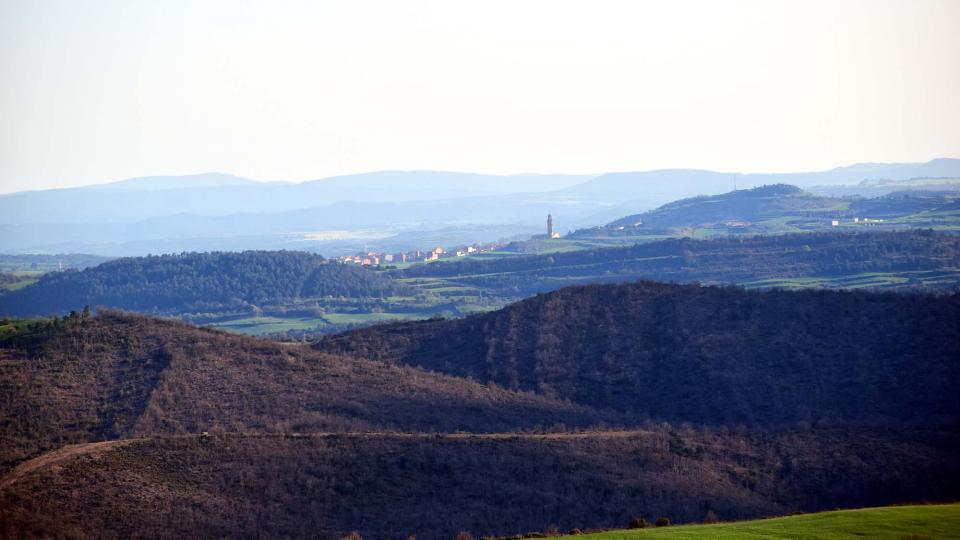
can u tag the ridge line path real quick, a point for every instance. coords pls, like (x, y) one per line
(56, 456)
(73, 450)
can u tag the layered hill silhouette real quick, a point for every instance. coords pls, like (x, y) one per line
(219, 286)
(739, 403)
(218, 194)
(702, 354)
(198, 283)
(117, 375)
(394, 210)
(671, 184)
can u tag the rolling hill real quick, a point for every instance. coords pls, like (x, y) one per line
(784, 208)
(115, 375)
(119, 425)
(433, 485)
(768, 209)
(747, 206)
(714, 355)
(300, 293)
(911, 260)
(204, 283)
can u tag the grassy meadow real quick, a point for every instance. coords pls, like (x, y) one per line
(894, 523)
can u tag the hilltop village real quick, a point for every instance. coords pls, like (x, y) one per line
(374, 258)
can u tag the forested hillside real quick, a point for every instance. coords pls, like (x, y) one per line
(191, 283)
(715, 355)
(812, 400)
(304, 294)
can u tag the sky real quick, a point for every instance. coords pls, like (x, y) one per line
(96, 91)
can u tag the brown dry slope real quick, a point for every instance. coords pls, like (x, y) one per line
(394, 485)
(118, 376)
(57, 456)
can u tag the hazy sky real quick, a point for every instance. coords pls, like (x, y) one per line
(93, 91)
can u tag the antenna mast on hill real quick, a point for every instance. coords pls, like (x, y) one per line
(734, 181)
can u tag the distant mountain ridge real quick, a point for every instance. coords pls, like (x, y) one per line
(214, 211)
(156, 183)
(216, 194)
(213, 194)
(670, 184)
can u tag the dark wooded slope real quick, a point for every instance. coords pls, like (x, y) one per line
(703, 354)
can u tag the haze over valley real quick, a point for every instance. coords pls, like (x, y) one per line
(383, 211)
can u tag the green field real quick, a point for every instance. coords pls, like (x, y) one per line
(877, 280)
(362, 318)
(21, 278)
(894, 523)
(257, 326)
(17, 285)
(267, 325)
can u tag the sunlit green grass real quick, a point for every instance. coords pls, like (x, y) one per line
(862, 280)
(268, 325)
(893, 523)
(451, 288)
(21, 283)
(353, 318)
(17, 326)
(23, 279)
